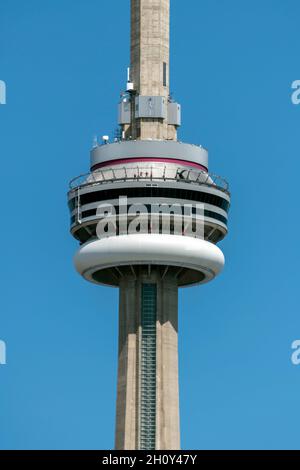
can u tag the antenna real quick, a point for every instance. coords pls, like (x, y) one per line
(129, 86)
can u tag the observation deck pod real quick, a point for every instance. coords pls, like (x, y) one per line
(136, 212)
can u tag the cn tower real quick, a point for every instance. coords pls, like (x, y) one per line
(148, 218)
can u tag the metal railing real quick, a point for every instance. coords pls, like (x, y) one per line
(151, 174)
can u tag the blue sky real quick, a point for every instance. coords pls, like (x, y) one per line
(64, 63)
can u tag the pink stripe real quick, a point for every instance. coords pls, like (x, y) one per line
(150, 159)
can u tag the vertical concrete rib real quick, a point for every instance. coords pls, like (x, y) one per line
(128, 357)
(168, 435)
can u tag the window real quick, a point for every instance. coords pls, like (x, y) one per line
(145, 192)
(164, 74)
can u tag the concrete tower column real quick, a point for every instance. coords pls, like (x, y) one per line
(148, 398)
(150, 38)
(150, 58)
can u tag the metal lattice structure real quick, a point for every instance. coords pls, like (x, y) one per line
(148, 367)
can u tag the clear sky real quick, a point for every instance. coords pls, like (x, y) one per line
(64, 63)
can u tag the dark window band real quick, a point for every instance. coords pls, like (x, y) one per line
(213, 215)
(145, 192)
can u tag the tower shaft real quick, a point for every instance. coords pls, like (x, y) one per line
(150, 50)
(148, 397)
(150, 57)
(148, 218)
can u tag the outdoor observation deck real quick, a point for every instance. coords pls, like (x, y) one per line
(148, 184)
(149, 173)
